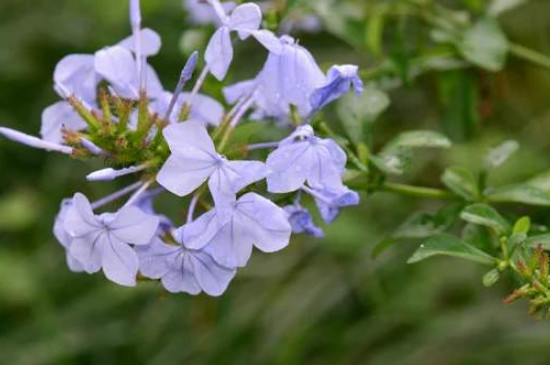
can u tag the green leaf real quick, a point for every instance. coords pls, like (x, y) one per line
(542, 239)
(491, 278)
(394, 162)
(500, 154)
(421, 225)
(522, 226)
(479, 236)
(523, 193)
(485, 215)
(358, 112)
(485, 45)
(461, 181)
(374, 32)
(541, 182)
(498, 7)
(446, 245)
(419, 139)
(397, 155)
(459, 100)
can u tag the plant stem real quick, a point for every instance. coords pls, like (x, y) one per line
(530, 55)
(416, 191)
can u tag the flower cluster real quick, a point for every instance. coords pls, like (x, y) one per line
(115, 108)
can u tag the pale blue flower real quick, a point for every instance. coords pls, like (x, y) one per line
(330, 200)
(194, 161)
(64, 237)
(245, 20)
(76, 73)
(103, 242)
(58, 117)
(288, 78)
(340, 80)
(181, 269)
(301, 221)
(204, 109)
(253, 221)
(200, 12)
(302, 158)
(118, 66)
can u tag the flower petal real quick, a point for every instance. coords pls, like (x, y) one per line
(245, 19)
(219, 53)
(150, 42)
(119, 261)
(212, 278)
(57, 117)
(132, 226)
(266, 222)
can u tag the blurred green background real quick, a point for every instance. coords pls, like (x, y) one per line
(319, 301)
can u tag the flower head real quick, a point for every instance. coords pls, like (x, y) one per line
(194, 161)
(302, 158)
(340, 79)
(181, 269)
(245, 19)
(103, 242)
(253, 221)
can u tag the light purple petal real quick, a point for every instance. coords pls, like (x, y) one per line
(117, 65)
(150, 43)
(290, 166)
(203, 13)
(245, 19)
(133, 226)
(154, 259)
(88, 251)
(119, 261)
(266, 221)
(193, 158)
(219, 53)
(180, 278)
(212, 278)
(58, 116)
(76, 73)
(80, 220)
(239, 90)
(268, 40)
(301, 221)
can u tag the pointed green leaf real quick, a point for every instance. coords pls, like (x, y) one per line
(523, 193)
(522, 226)
(461, 181)
(485, 45)
(485, 215)
(446, 245)
(491, 278)
(542, 239)
(358, 112)
(498, 7)
(419, 139)
(500, 154)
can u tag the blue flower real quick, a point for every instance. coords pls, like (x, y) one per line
(201, 12)
(58, 117)
(245, 20)
(103, 242)
(340, 80)
(288, 78)
(204, 109)
(330, 200)
(253, 221)
(301, 221)
(181, 269)
(64, 237)
(194, 161)
(302, 158)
